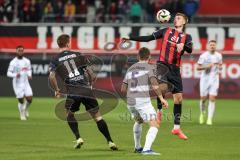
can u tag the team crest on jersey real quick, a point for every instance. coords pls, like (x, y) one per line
(174, 39)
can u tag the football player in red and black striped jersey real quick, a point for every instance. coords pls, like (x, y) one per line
(174, 44)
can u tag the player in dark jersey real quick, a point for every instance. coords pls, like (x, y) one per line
(73, 70)
(174, 43)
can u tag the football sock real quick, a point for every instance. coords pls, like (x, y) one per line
(150, 137)
(211, 109)
(26, 105)
(73, 124)
(20, 107)
(202, 106)
(177, 111)
(137, 131)
(103, 128)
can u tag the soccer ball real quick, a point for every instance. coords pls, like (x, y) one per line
(163, 16)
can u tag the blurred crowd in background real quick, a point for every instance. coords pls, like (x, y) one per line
(117, 11)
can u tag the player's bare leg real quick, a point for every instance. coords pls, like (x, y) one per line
(21, 109)
(177, 111)
(164, 88)
(211, 109)
(27, 104)
(103, 128)
(73, 124)
(202, 106)
(150, 137)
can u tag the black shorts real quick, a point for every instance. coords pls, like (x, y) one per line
(170, 74)
(73, 103)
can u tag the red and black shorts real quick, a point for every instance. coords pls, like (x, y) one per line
(171, 75)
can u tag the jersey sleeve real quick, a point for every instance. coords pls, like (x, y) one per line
(53, 65)
(10, 71)
(201, 60)
(159, 33)
(188, 46)
(152, 72)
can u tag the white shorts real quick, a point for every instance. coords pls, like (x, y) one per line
(209, 87)
(22, 90)
(145, 111)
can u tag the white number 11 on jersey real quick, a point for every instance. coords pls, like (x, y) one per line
(75, 71)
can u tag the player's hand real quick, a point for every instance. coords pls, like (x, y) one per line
(209, 66)
(29, 78)
(57, 94)
(125, 39)
(18, 75)
(164, 103)
(180, 47)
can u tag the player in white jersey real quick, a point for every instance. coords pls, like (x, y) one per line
(136, 84)
(210, 63)
(20, 71)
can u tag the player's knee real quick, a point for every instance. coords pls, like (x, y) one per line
(212, 98)
(29, 100)
(20, 100)
(203, 99)
(139, 120)
(98, 118)
(154, 123)
(178, 100)
(70, 115)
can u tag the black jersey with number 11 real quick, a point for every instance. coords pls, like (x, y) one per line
(71, 68)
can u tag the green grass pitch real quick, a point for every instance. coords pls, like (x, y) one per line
(44, 137)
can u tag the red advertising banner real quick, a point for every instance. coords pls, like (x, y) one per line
(94, 38)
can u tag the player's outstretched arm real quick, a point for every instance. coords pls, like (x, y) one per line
(157, 90)
(140, 38)
(156, 35)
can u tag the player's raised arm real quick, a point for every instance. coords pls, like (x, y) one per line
(155, 35)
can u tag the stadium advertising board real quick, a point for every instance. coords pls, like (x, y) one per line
(110, 78)
(95, 37)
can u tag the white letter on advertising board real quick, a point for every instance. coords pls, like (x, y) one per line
(85, 38)
(124, 32)
(42, 34)
(105, 34)
(187, 70)
(217, 34)
(235, 33)
(193, 31)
